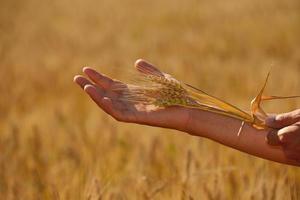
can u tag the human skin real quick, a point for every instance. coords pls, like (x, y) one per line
(220, 128)
(288, 131)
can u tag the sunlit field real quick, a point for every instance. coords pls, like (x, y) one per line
(55, 143)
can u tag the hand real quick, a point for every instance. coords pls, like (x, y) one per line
(100, 88)
(288, 133)
(196, 122)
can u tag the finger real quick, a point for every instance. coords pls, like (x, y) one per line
(290, 133)
(97, 95)
(147, 68)
(81, 81)
(98, 78)
(282, 120)
(103, 102)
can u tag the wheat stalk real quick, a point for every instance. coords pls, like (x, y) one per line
(163, 90)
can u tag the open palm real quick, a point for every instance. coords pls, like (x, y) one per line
(101, 89)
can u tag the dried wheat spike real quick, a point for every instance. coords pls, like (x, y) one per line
(162, 90)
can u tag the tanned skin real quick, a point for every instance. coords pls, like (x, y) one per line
(220, 128)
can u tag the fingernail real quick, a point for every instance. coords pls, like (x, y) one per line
(282, 131)
(138, 62)
(87, 86)
(281, 135)
(85, 68)
(75, 78)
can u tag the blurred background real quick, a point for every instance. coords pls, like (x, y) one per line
(56, 144)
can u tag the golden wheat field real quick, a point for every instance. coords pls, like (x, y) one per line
(56, 144)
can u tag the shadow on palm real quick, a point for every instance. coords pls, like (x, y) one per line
(108, 94)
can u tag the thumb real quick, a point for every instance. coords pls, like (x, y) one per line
(289, 134)
(284, 119)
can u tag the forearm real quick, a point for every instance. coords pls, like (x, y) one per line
(225, 130)
(196, 122)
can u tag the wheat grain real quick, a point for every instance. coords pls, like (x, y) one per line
(162, 90)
